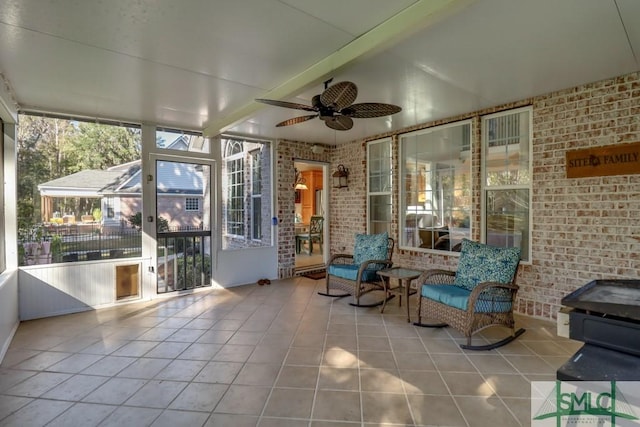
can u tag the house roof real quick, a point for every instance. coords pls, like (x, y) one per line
(172, 178)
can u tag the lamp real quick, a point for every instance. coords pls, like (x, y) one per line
(300, 183)
(340, 177)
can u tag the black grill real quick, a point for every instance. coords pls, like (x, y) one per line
(606, 317)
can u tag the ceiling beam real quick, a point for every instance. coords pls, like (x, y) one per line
(420, 15)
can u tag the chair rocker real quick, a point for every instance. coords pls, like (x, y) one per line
(480, 294)
(356, 274)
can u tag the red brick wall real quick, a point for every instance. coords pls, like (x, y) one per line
(583, 228)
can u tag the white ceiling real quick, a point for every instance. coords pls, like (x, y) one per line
(199, 64)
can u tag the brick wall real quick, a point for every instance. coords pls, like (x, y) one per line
(583, 228)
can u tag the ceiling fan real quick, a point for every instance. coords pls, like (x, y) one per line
(335, 107)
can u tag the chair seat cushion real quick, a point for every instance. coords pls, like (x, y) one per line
(481, 263)
(492, 301)
(370, 247)
(350, 272)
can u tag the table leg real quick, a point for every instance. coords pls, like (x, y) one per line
(385, 286)
(407, 285)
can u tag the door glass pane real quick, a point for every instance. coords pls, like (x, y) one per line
(183, 229)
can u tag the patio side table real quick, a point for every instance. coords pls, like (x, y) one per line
(404, 276)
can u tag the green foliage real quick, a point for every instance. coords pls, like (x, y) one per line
(97, 214)
(56, 248)
(135, 220)
(197, 273)
(50, 148)
(163, 225)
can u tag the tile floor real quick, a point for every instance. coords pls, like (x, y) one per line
(277, 355)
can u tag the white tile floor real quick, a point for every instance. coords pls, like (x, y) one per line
(277, 355)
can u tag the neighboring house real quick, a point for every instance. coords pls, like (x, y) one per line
(180, 189)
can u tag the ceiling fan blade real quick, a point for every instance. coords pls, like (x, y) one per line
(296, 120)
(339, 123)
(286, 104)
(367, 110)
(339, 96)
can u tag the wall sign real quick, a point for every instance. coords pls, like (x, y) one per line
(623, 159)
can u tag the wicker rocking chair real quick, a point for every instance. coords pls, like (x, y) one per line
(480, 294)
(356, 274)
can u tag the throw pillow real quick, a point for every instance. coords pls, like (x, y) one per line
(370, 247)
(483, 263)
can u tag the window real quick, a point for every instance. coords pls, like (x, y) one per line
(379, 168)
(256, 194)
(435, 191)
(192, 204)
(235, 188)
(109, 207)
(64, 205)
(246, 190)
(180, 140)
(506, 153)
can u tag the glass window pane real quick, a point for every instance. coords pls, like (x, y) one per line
(507, 219)
(507, 149)
(380, 214)
(171, 139)
(435, 195)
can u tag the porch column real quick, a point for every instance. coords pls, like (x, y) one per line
(46, 208)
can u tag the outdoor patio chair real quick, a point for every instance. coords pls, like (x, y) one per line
(480, 294)
(314, 234)
(357, 274)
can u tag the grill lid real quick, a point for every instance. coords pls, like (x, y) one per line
(620, 298)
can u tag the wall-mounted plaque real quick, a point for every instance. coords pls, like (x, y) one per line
(623, 159)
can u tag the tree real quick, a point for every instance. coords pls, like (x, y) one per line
(41, 143)
(97, 146)
(50, 148)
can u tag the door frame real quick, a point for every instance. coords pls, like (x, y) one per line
(324, 166)
(151, 229)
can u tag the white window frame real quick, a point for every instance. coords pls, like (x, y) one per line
(485, 188)
(256, 192)
(235, 158)
(387, 191)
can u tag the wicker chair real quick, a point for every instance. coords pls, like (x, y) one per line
(313, 235)
(480, 294)
(345, 276)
